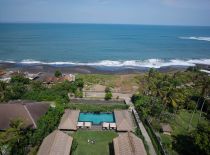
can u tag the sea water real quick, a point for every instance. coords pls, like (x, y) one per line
(104, 45)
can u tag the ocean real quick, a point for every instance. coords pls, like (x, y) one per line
(126, 46)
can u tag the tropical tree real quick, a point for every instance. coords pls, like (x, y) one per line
(201, 138)
(3, 87)
(11, 141)
(58, 73)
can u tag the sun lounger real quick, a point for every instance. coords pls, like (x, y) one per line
(112, 125)
(80, 124)
(105, 125)
(88, 124)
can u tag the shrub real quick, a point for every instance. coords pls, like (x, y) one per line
(74, 145)
(108, 96)
(58, 73)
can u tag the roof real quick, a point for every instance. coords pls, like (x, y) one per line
(29, 113)
(123, 120)
(69, 120)
(128, 144)
(56, 143)
(166, 127)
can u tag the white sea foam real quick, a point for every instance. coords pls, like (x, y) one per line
(149, 63)
(197, 38)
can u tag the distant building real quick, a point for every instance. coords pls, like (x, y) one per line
(31, 76)
(28, 112)
(69, 77)
(128, 144)
(2, 72)
(166, 129)
(53, 79)
(56, 143)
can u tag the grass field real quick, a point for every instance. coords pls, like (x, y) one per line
(181, 122)
(124, 82)
(180, 127)
(102, 141)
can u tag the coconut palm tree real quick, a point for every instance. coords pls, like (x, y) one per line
(2, 91)
(202, 81)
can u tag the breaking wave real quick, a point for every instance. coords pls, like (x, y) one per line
(197, 38)
(149, 63)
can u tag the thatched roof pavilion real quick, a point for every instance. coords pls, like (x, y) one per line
(56, 143)
(69, 120)
(128, 144)
(166, 128)
(28, 112)
(123, 120)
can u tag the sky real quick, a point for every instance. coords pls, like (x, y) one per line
(151, 12)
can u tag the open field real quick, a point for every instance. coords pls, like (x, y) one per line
(180, 127)
(103, 141)
(120, 83)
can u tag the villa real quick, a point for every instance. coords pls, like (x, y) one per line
(73, 122)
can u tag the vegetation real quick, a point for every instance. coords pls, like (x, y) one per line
(12, 139)
(46, 125)
(20, 140)
(58, 73)
(102, 142)
(108, 93)
(97, 107)
(17, 138)
(179, 99)
(22, 88)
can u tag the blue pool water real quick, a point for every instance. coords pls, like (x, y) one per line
(96, 118)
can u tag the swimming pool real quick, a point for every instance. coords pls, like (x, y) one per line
(96, 118)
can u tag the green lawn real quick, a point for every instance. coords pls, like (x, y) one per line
(181, 122)
(180, 127)
(101, 146)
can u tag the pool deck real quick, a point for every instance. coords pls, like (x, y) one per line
(96, 128)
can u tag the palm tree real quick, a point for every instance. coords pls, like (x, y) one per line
(10, 139)
(2, 90)
(203, 81)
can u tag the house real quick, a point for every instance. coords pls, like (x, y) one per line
(53, 79)
(123, 120)
(69, 120)
(69, 77)
(31, 76)
(2, 73)
(28, 112)
(128, 144)
(166, 129)
(56, 143)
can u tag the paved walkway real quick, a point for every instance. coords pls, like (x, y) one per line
(141, 127)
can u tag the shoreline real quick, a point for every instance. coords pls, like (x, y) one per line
(82, 69)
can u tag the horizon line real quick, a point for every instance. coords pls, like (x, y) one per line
(134, 24)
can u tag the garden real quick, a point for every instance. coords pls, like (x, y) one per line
(94, 142)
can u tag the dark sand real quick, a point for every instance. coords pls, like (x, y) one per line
(35, 68)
